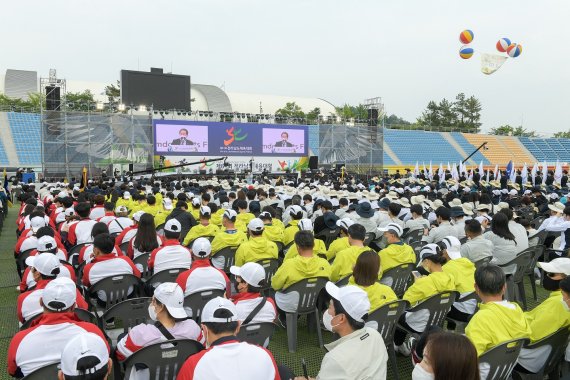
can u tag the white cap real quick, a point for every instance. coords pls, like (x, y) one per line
(74, 356)
(196, 202)
(230, 214)
(121, 209)
(452, 246)
(305, 225)
(46, 263)
(170, 294)
(37, 222)
(126, 195)
(46, 243)
(62, 290)
(252, 273)
(353, 299)
(295, 210)
(219, 310)
(265, 215)
(428, 250)
(345, 223)
(137, 215)
(69, 211)
(513, 192)
(167, 203)
(173, 225)
(559, 265)
(201, 247)
(256, 224)
(205, 210)
(394, 228)
(558, 207)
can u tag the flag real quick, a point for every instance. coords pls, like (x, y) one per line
(544, 172)
(496, 172)
(454, 173)
(498, 177)
(513, 175)
(558, 173)
(6, 189)
(430, 172)
(524, 174)
(441, 174)
(481, 170)
(533, 173)
(425, 170)
(491, 62)
(416, 170)
(488, 175)
(83, 179)
(471, 175)
(509, 168)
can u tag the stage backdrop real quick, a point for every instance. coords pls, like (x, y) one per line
(273, 147)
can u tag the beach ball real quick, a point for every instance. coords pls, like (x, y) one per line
(503, 44)
(514, 50)
(466, 52)
(466, 36)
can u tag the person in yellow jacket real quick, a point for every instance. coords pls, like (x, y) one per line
(257, 247)
(271, 231)
(551, 315)
(138, 203)
(167, 208)
(345, 259)
(365, 276)
(151, 207)
(204, 229)
(497, 321)
(463, 270)
(305, 265)
(244, 217)
(424, 287)
(319, 249)
(396, 252)
(125, 200)
(229, 237)
(195, 208)
(217, 214)
(296, 213)
(341, 242)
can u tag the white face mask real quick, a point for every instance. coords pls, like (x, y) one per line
(566, 307)
(327, 321)
(152, 312)
(419, 373)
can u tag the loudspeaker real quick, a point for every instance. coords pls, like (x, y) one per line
(372, 117)
(53, 98)
(313, 162)
(131, 167)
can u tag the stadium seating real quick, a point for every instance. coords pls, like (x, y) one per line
(422, 146)
(3, 156)
(388, 161)
(469, 148)
(547, 149)
(501, 149)
(26, 132)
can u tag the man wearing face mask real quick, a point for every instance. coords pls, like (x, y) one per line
(551, 315)
(225, 353)
(360, 352)
(170, 322)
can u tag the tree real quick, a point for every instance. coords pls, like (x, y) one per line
(507, 130)
(447, 114)
(460, 109)
(291, 109)
(347, 112)
(313, 116)
(79, 101)
(18, 104)
(431, 116)
(562, 135)
(472, 114)
(396, 120)
(113, 92)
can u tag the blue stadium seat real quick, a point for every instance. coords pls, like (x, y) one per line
(420, 146)
(549, 149)
(26, 132)
(3, 157)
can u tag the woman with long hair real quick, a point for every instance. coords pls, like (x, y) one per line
(447, 356)
(146, 239)
(504, 244)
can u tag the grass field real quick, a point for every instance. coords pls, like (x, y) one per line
(307, 346)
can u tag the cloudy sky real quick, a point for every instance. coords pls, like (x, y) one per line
(405, 51)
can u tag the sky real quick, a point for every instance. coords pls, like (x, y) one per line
(405, 51)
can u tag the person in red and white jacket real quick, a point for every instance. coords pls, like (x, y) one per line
(105, 263)
(45, 268)
(167, 310)
(225, 352)
(250, 279)
(125, 227)
(46, 244)
(80, 232)
(86, 252)
(98, 210)
(43, 342)
(202, 275)
(172, 254)
(109, 213)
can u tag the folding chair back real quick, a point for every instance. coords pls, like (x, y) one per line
(398, 278)
(308, 290)
(167, 275)
(131, 312)
(229, 256)
(116, 288)
(328, 236)
(48, 372)
(257, 333)
(198, 300)
(502, 359)
(438, 306)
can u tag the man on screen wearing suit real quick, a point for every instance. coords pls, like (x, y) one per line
(183, 140)
(283, 143)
